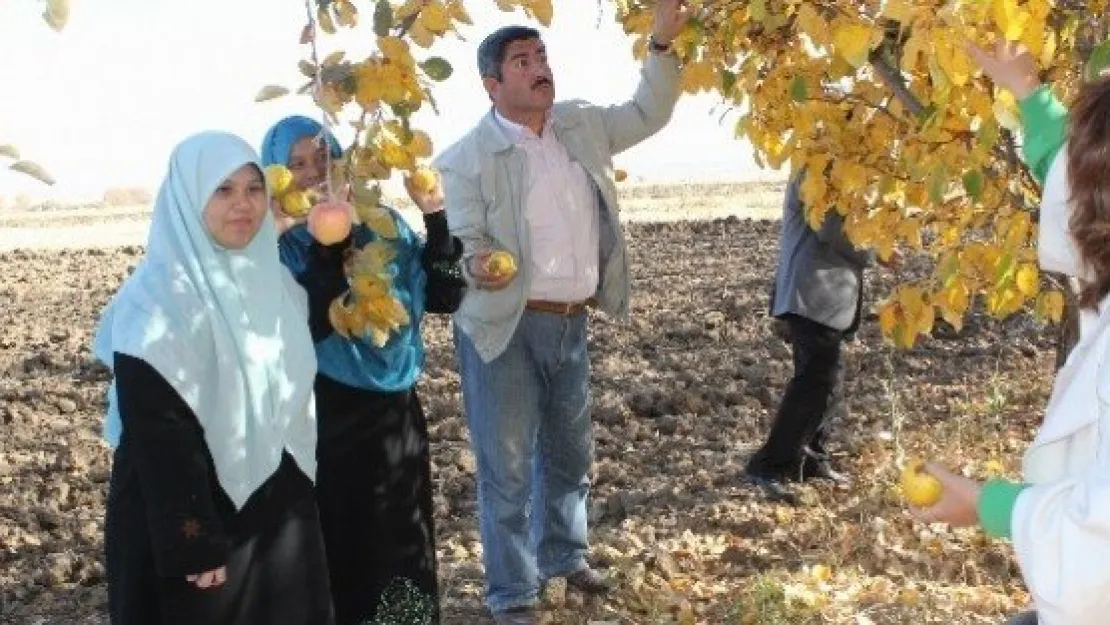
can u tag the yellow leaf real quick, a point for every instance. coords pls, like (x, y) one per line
(620, 175)
(811, 23)
(379, 220)
(9, 151)
(1050, 306)
(888, 317)
(542, 10)
(899, 11)
(434, 17)
(1028, 280)
(1006, 111)
(421, 36)
(457, 11)
(421, 145)
(852, 41)
(1010, 19)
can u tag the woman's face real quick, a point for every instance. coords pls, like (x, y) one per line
(308, 160)
(235, 211)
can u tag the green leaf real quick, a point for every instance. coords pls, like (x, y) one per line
(1005, 268)
(33, 170)
(973, 184)
(1098, 62)
(270, 92)
(927, 115)
(948, 268)
(799, 90)
(383, 18)
(9, 151)
(988, 134)
(728, 81)
(757, 10)
(437, 68)
(938, 184)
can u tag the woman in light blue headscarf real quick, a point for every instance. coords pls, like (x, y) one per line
(375, 485)
(211, 515)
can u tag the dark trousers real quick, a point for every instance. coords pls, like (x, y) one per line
(374, 489)
(814, 393)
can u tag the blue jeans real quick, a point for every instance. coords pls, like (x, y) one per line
(529, 418)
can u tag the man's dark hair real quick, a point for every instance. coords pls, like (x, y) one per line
(491, 53)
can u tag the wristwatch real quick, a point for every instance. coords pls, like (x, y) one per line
(657, 47)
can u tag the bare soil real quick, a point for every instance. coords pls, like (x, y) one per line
(681, 394)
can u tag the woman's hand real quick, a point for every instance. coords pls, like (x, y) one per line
(1010, 66)
(208, 579)
(430, 201)
(959, 502)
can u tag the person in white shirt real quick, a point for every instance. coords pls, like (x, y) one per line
(534, 179)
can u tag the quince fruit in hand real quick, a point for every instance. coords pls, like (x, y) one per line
(424, 179)
(919, 487)
(501, 264)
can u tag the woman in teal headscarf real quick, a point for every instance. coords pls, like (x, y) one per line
(211, 516)
(374, 487)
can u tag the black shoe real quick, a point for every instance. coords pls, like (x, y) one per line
(816, 469)
(589, 581)
(773, 488)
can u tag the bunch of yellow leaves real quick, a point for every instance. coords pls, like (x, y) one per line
(369, 309)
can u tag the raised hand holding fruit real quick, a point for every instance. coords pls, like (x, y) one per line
(424, 190)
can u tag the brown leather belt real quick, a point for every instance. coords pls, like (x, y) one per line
(566, 309)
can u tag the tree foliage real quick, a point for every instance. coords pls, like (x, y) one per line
(879, 101)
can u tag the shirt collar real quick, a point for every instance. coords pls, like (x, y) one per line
(519, 133)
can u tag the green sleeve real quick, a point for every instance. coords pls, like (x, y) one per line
(996, 506)
(1044, 122)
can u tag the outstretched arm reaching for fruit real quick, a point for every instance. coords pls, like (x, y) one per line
(445, 287)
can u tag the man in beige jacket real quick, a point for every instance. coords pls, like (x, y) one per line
(534, 178)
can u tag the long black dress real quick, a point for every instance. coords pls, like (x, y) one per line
(168, 518)
(374, 482)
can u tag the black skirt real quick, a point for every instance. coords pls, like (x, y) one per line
(374, 491)
(274, 570)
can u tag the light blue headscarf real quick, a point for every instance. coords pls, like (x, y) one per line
(227, 329)
(277, 145)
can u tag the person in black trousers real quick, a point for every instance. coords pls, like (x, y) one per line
(818, 295)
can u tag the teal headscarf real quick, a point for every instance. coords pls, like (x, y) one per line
(355, 362)
(227, 329)
(277, 145)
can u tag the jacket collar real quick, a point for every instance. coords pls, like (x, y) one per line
(493, 137)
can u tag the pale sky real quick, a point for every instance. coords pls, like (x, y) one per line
(102, 103)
